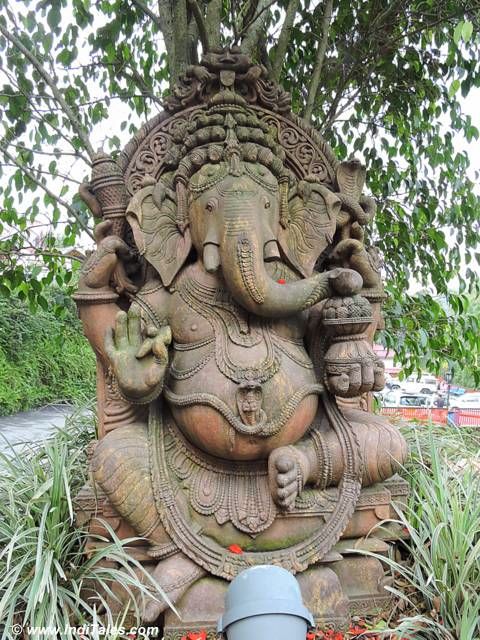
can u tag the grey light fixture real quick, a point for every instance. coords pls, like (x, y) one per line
(265, 602)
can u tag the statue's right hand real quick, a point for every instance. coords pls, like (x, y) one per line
(139, 364)
(104, 267)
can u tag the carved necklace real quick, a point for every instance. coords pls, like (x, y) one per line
(230, 325)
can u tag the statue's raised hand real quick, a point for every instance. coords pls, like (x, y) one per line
(104, 269)
(139, 363)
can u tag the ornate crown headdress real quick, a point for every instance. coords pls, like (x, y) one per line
(228, 131)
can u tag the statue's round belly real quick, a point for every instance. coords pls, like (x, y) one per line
(243, 420)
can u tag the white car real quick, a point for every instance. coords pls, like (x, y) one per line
(467, 401)
(391, 382)
(425, 384)
(403, 399)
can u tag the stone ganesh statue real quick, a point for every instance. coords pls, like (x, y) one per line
(230, 301)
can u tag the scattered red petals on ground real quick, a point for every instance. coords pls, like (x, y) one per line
(330, 634)
(234, 548)
(195, 635)
(357, 631)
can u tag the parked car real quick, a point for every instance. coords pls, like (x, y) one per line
(457, 391)
(400, 398)
(391, 382)
(425, 384)
(467, 401)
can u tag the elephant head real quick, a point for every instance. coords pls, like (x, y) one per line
(233, 220)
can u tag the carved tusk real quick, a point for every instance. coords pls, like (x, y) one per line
(211, 257)
(270, 251)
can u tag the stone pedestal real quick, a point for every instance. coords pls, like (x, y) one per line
(346, 584)
(203, 604)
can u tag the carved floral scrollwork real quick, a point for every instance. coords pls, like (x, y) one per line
(154, 151)
(303, 156)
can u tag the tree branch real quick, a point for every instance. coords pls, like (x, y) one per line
(165, 22)
(214, 22)
(50, 193)
(180, 34)
(148, 12)
(334, 112)
(47, 173)
(317, 71)
(139, 82)
(37, 251)
(41, 119)
(251, 32)
(51, 81)
(264, 6)
(283, 39)
(202, 29)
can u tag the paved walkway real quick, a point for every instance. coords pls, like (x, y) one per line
(32, 426)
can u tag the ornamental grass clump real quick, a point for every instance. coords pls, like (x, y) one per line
(46, 578)
(438, 582)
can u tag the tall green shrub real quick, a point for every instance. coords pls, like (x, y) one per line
(43, 357)
(439, 576)
(47, 580)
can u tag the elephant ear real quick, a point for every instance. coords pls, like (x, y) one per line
(310, 227)
(152, 216)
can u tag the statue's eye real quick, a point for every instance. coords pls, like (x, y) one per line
(211, 205)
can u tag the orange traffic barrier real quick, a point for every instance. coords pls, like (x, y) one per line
(459, 417)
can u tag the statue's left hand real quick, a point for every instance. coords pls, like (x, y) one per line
(352, 368)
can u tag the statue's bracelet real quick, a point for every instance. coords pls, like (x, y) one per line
(93, 296)
(153, 395)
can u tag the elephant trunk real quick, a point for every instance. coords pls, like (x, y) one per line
(242, 258)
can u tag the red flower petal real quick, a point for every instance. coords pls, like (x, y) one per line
(281, 281)
(200, 635)
(234, 548)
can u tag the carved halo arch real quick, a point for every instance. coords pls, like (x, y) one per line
(307, 153)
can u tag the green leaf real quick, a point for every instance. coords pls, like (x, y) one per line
(467, 31)
(454, 87)
(54, 17)
(457, 34)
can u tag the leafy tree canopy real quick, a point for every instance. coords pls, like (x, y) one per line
(383, 80)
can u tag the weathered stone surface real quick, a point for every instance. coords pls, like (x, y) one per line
(231, 300)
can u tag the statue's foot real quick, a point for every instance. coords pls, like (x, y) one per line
(174, 576)
(287, 471)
